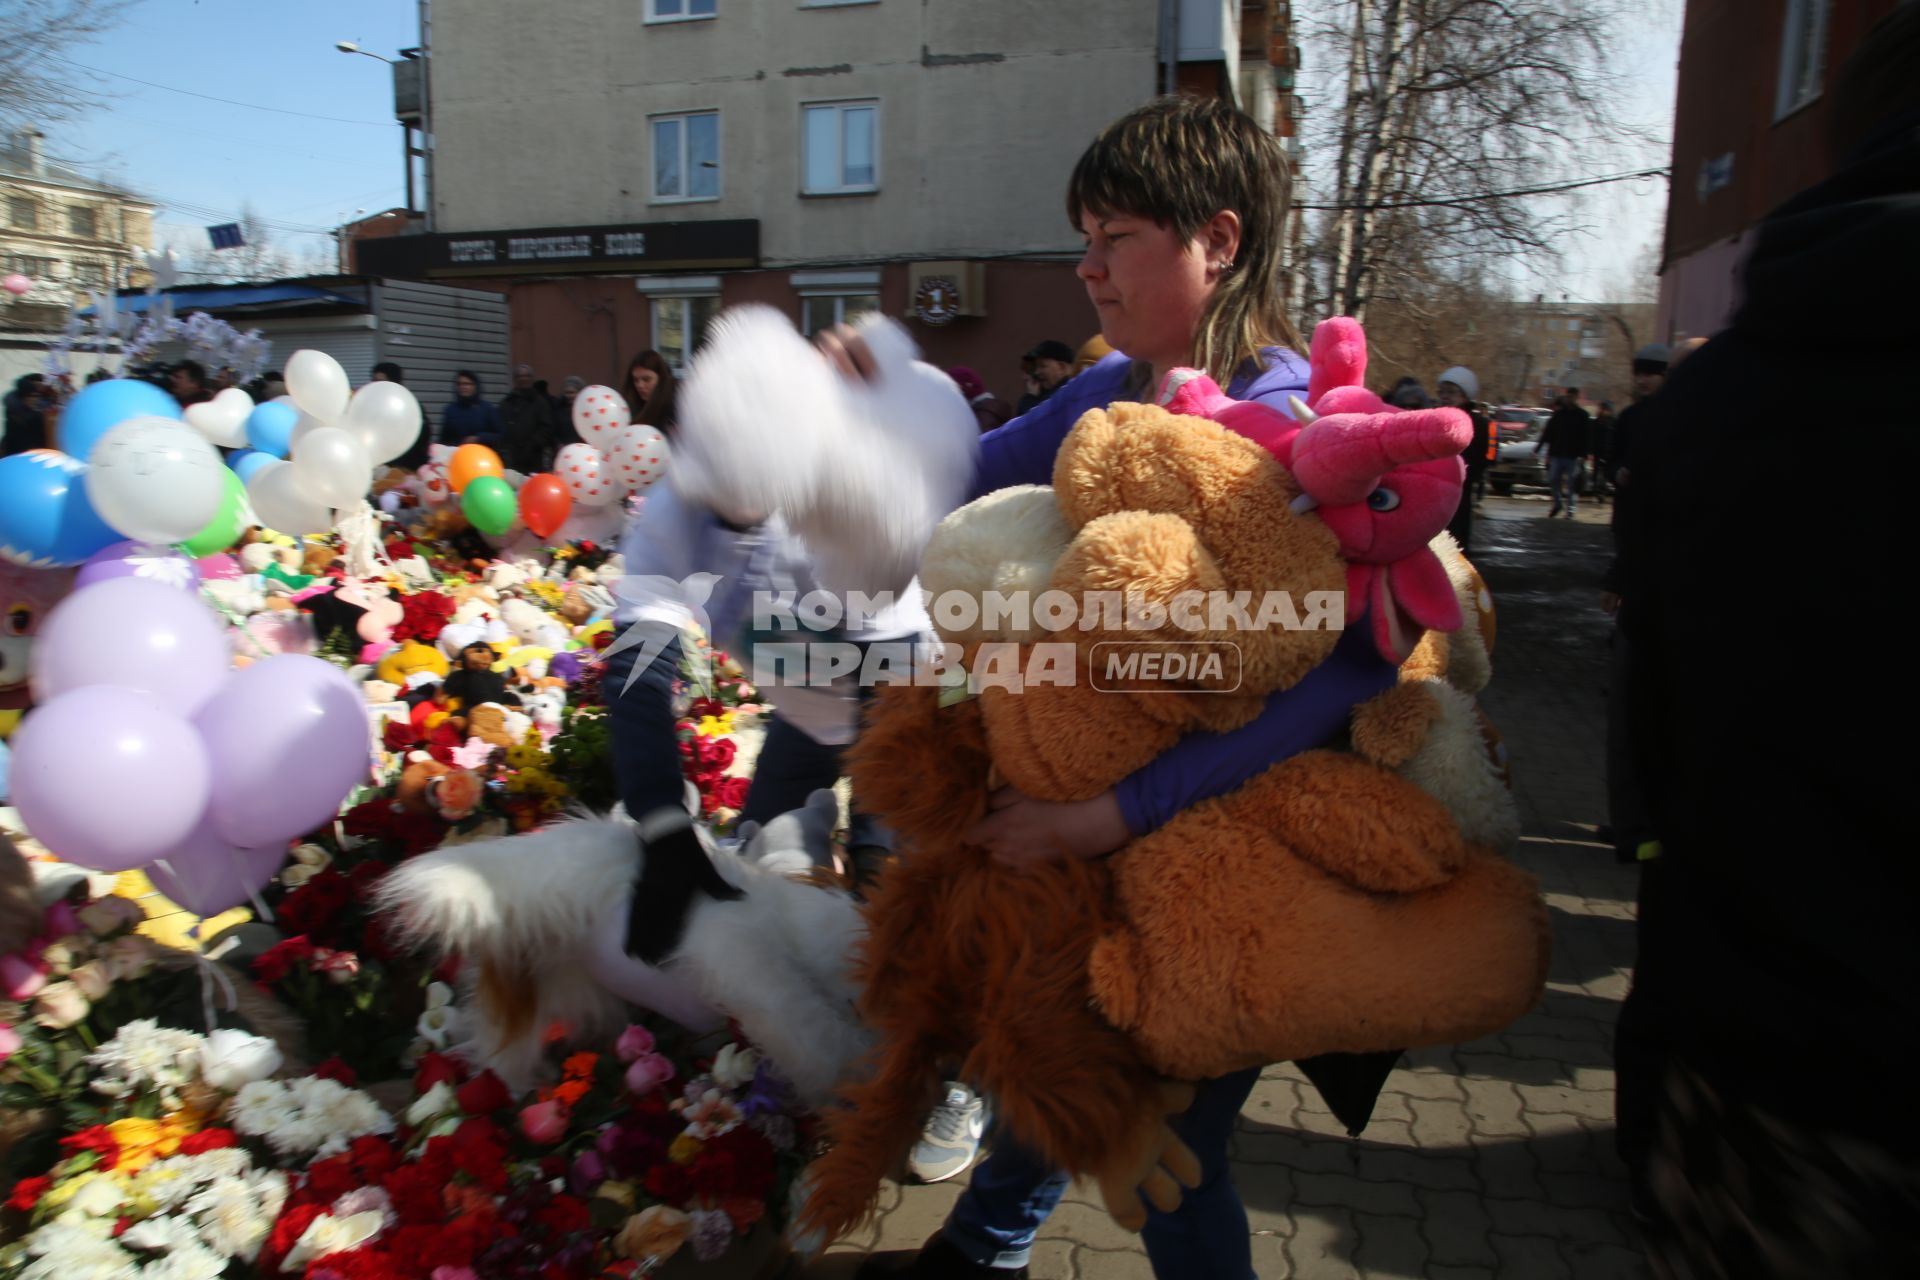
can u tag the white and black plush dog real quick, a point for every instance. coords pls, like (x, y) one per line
(541, 922)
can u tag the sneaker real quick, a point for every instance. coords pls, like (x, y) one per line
(952, 1136)
(938, 1260)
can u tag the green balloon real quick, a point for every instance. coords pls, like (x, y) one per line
(224, 529)
(490, 504)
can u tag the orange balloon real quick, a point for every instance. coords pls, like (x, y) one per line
(545, 503)
(470, 462)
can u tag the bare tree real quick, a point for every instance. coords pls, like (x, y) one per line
(37, 85)
(259, 257)
(1430, 106)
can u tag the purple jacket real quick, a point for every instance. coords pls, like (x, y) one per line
(1201, 765)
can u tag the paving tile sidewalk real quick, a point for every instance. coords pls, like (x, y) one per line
(1490, 1159)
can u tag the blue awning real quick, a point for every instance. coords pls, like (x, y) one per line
(249, 297)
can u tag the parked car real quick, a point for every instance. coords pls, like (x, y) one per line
(1515, 433)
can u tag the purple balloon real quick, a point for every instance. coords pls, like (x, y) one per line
(108, 778)
(139, 560)
(288, 738)
(132, 633)
(206, 875)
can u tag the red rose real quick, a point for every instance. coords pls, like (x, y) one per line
(97, 1140)
(27, 1193)
(732, 792)
(601, 640)
(398, 735)
(565, 1215)
(751, 1160)
(482, 1094)
(355, 1264)
(423, 615)
(365, 878)
(282, 958)
(206, 1140)
(668, 1183)
(712, 1175)
(435, 1067)
(414, 1192)
(335, 1069)
(709, 804)
(314, 906)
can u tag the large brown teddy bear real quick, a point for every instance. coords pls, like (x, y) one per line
(1326, 905)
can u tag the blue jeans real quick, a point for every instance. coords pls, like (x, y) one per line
(646, 750)
(1206, 1238)
(1564, 473)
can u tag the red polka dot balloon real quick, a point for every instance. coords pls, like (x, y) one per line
(583, 469)
(597, 413)
(637, 457)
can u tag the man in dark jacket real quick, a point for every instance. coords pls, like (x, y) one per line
(1778, 961)
(528, 425)
(1568, 441)
(1458, 388)
(26, 415)
(469, 419)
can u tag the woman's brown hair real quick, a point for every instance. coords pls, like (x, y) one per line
(1179, 161)
(658, 409)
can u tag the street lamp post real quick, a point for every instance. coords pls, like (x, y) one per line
(414, 61)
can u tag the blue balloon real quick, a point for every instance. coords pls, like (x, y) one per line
(270, 428)
(247, 461)
(46, 520)
(103, 406)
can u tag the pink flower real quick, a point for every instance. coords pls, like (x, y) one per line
(634, 1042)
(20, 978)
(544, 1122)
(648, 1072)
(9, 1041)
(454, 1273)
(61, 920)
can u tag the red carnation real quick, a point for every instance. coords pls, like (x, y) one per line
(565, 1215)
(27, 1193)
(669, 1183)
(482, 1094)
(274, 964)
(712, 1174)
(355, 1264)
(435, 1067)
(313, 907)
(398, 735)
(206, 1140)
(373, 1157)
(423, 615)
(286, 1233)
(414, 1192)
(335, 1069)
(97, 1140)
(329, 1179)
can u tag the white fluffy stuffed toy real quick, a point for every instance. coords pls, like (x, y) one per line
(860, 471)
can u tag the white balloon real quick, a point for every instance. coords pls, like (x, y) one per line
(583, 469)
(155, 480)
(303, 426)
(637, 456)
(386, 417)
(331, 466)
(282, 505)
(597, 410)
(223, 419)
(318, 384)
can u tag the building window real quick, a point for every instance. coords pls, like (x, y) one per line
(1803, 56)
(686, 157)
(679, 10)
(87, 275)
(33, 268)
(839, 148)
(23, 213)
(823, 311)
(84, 223)
(682, 306)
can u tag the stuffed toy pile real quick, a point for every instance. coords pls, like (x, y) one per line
(1329, 905)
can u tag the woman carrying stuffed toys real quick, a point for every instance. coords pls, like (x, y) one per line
(1180, 264)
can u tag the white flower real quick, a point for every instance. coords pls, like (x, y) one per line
(439, 995)
(436, 1025)
(230, 1058)
(261, 1108)
(162, 1234)
(327, 1234)
(306, 1116)
(365, 1200)
(63, 1251)
(195, 1262)
(100, 1197)
(734, 1066)
(432, 1104)
(143, 1054)
(233, 1216)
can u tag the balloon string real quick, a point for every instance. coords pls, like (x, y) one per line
(211, 973)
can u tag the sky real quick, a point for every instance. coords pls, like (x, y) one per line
(204, 159)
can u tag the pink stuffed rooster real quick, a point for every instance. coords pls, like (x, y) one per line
(1383, 480)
